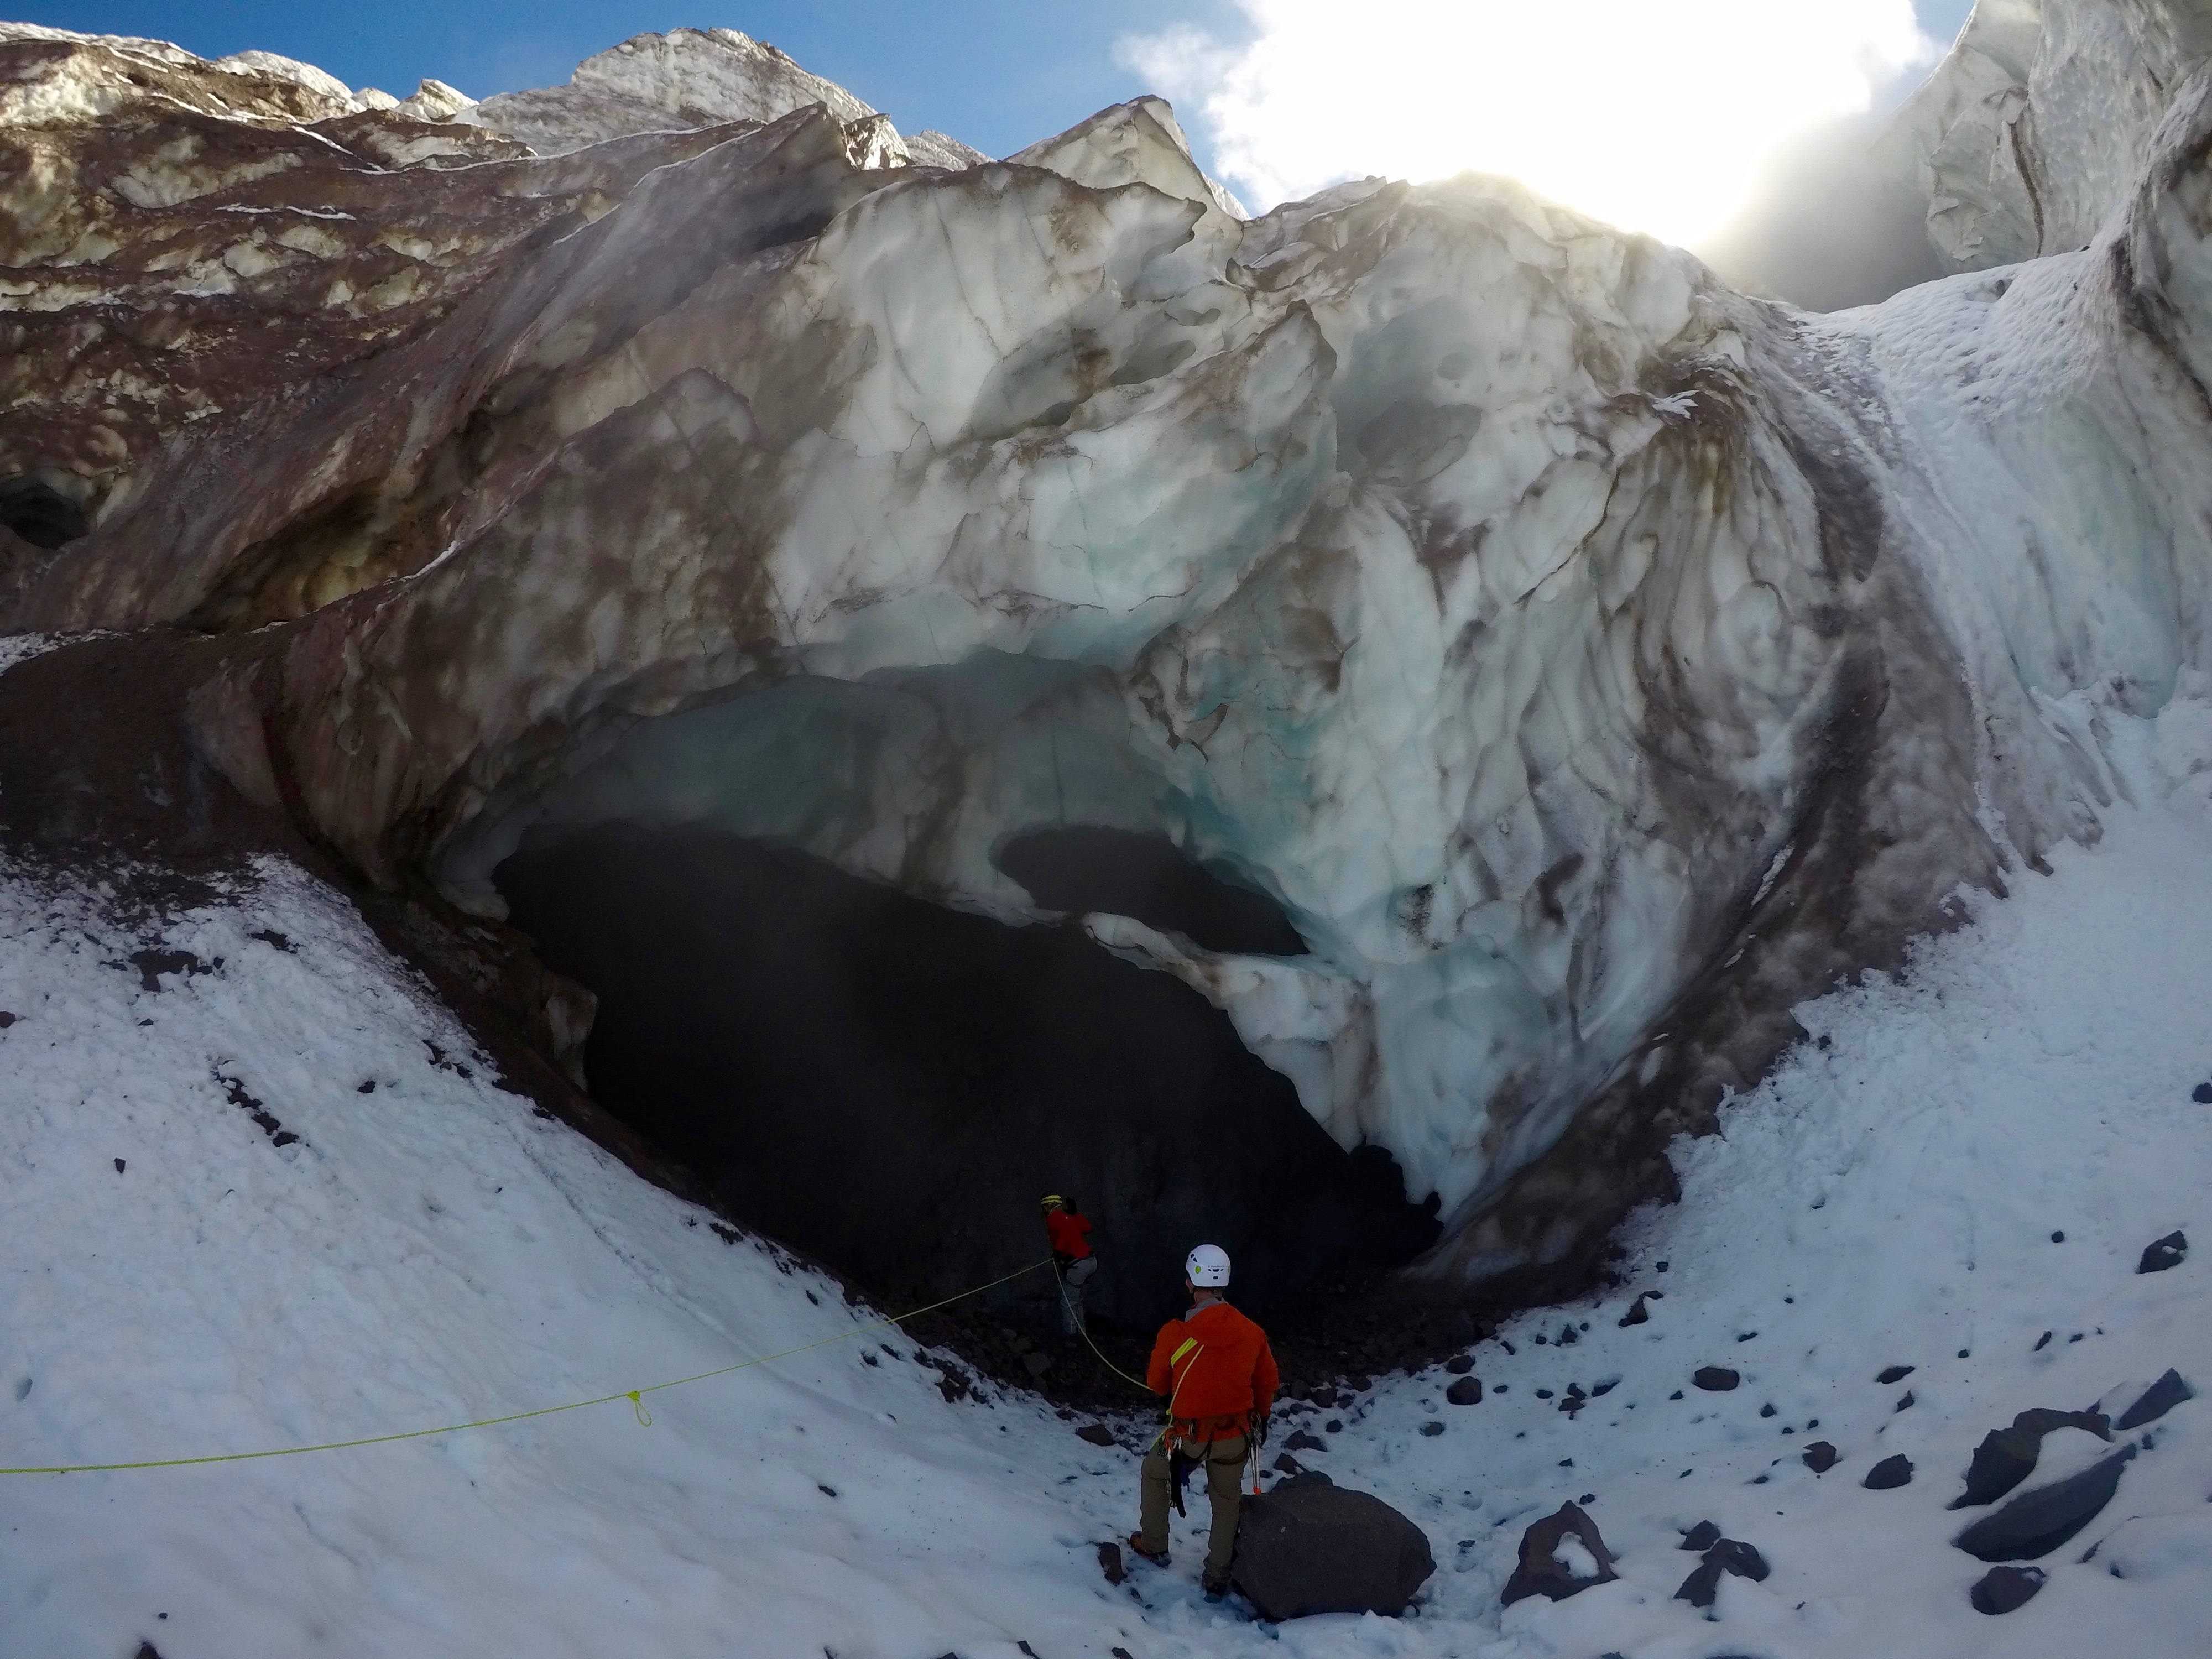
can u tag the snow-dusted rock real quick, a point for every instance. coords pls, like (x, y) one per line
(1591, 662)
(2036, 129)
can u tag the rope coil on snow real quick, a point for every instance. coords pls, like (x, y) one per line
(633, 1396)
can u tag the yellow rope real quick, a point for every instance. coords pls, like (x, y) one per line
(633, 1396)
(1082, 1330)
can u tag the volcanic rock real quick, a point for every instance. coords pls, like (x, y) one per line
(2007, 1456)
(2037, 1523)
(1542, 1572)
(2164, 1252)
(1701, 1537)
(2001, 1589)
(1889, 1474)
(1465, 1391)
(1820, 1456)
(1310, 1547)
(1715, 1379)
(2161, 1397)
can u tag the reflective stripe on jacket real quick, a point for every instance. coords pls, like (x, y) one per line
(1216, 1368)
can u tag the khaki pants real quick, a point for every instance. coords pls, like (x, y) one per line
(1073, 1278)
(1224, 1469)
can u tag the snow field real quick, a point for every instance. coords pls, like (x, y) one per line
(431, 1251)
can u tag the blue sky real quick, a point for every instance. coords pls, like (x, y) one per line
(996, 73)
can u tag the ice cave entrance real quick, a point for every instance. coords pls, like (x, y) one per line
(888, 1082)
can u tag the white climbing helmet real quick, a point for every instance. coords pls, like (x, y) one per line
(1208, 1267)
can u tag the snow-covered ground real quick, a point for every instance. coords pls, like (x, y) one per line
(430, 1251)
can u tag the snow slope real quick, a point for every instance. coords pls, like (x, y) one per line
(429, 1252)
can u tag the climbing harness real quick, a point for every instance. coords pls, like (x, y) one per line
(633, 1396)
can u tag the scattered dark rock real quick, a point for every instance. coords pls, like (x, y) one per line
(1904, 1401)
(1432, 1428)
(152, 964)
(147, 1650)
(2164, 1252)
(1745, 1336)
(827, 1492)
(1460, 1364)
(1894, 1374)
(1540, 1572)
(1767, 1410)
(2007, 1456)
(1335, 1426)
(119, 1166)
(6, 1019)
(1715, 1379)
(1820, 1456)
(1543, 1394)
(368, 1087)
(2161, 1397)
(1726, 1555)
(2202, 1094)
(1606, 1387)
(1701, 1537)
(1889, 1474)
(1110, 1564)
(1301, 1441)
(2001, 1589)
(2058, 1238)
(1312, 1547)
(2037, 1523)
(1465, 1391)
(1286, 1464)
(1677, 1395)
(1566, 1338)
(274, 940)
(2042, 1342)
(1097, 1433)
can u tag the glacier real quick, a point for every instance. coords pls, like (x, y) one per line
(1588, 661)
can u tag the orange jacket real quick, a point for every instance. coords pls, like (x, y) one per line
(1213, 1365)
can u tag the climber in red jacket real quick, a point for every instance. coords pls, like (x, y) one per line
(1219, 1374)
(1071, 1259)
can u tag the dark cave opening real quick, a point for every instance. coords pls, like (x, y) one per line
(40, 513)
(1122, 873)
(889, 1085)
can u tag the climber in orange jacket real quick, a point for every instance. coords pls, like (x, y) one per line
(1072, 1260)
(1219, 1374)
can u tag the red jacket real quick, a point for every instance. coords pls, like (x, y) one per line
(1067, 1230)
(1216, 1368)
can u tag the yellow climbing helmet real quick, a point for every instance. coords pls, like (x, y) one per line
(1052, 1201)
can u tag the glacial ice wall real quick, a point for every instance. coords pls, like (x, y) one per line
(1591, 661)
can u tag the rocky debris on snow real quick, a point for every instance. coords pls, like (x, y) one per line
(2007, 1456)
(1820, 1456)
(1110, 1563)
(1561, 1555)
(1286, 1464)
(2037, 1523)
(1701, 1537)
(1715, 1379)
(2003, 1590)
(2163, 1253)
(2161, 1397)
(1432, 1429)
(1905, 1401)
(1311, 1546)
(1465, 1391)
(1637, 1313)
(1894, 1374)
(1724, 1555)
(1460, 1364)
(1302, 1441)
(2202, 1094)
(6, 1019)
(1097, 1433)
(1889, 1474)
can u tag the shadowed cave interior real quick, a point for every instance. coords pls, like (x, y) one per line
(889, 1085)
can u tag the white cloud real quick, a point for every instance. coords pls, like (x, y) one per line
(1654, 114)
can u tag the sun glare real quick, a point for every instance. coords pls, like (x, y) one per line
(1656, 115)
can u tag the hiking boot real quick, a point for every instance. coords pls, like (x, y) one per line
(1157, 1558)
(1215, 1588)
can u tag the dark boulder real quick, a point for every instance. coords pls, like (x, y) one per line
(1311, 1546)
(1540, 1572)
(2161, 1397)
(1701, 1537)
(1110, 1564)
(1894, 1374)
(2202, 1094)
(1637, 1313)
(1286, 1464)
(1820, 1456)
(1460, 1364)
(1465, 1391)
(1889, 1474)
(2002, 1588)
(2035, 1524)
(1715, 1379)
(1097, 1433)
(2007, 1456)
(1301, 1441)
(2163, 1253)
(1727, 1555)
